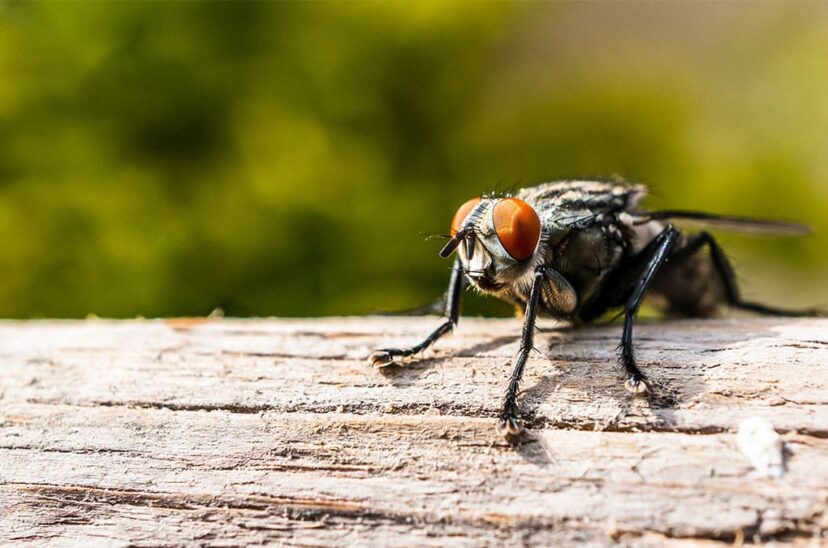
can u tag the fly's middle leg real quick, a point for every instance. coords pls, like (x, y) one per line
(636, 382)
(388, 356)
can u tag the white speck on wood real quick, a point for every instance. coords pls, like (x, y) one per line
(762, 446)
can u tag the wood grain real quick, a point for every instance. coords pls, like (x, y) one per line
(229, 432)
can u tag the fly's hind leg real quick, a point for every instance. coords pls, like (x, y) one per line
(388, 356)
(725, 272)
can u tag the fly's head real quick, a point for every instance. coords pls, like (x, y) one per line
(496, 239)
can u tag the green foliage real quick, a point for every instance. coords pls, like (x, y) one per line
(290, 158)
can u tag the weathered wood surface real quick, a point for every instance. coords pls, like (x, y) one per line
(242, 432)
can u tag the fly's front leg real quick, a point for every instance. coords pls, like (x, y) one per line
(388, 356)
(509, 424)
(636, 382)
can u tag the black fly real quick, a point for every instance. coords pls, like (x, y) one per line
(574, 250)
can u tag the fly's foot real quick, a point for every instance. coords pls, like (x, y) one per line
(381, 358)
(509, 426)
(638, 385)
(386, 357)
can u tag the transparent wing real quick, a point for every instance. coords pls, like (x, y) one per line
(726, 222)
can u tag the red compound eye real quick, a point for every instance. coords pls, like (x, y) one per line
(462, 212)
(517, 226)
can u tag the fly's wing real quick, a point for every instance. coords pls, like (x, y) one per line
(725, 222)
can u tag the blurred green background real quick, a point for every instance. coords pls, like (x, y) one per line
(291, 158)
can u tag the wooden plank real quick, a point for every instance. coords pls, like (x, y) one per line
(232, 432)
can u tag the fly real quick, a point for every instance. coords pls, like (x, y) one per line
(574, 250)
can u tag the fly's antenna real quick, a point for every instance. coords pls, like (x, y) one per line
(452, 244)
(465, 235)
(470, 240)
